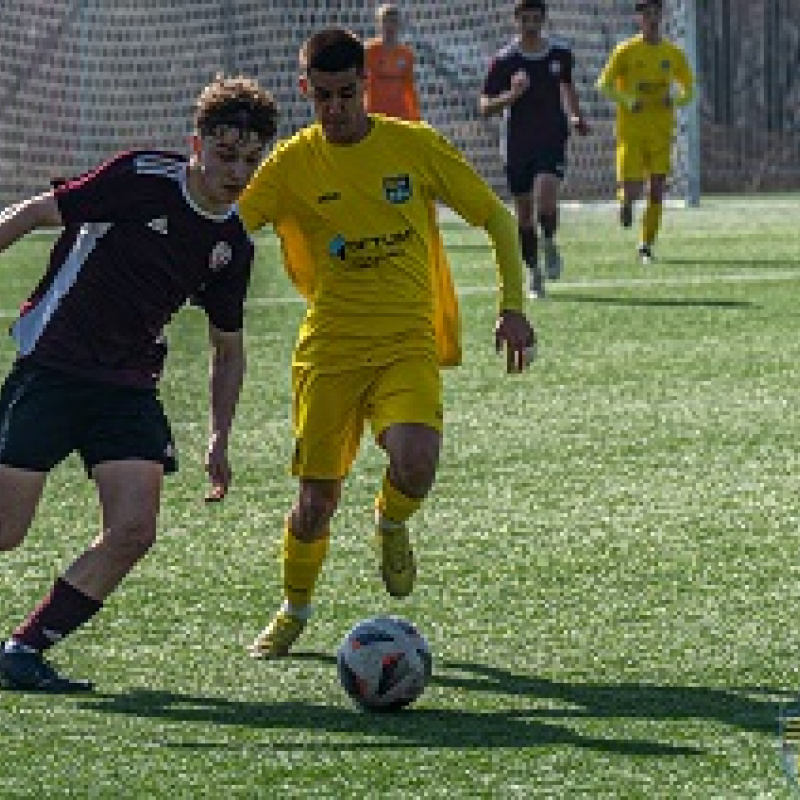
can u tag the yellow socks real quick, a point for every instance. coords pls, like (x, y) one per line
(651, 222)
(393, 506)
(302, 562)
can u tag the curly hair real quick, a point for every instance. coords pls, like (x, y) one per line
(237, 103)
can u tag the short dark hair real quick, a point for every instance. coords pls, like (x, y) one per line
(643, 4)
(236, 103)
(529, 5)
(332, 50)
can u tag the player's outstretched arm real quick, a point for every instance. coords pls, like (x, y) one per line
(37, 212)
(512, 331)
(226, 377)
(572, 105)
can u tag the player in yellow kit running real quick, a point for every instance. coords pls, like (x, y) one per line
(640, 77)
(352, 199)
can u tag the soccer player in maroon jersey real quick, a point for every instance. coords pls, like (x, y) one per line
(142, 234)
(530, 83)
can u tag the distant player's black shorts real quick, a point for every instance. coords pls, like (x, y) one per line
(521, 173)
(46, 414)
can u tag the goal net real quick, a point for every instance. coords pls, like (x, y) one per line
(82, 79)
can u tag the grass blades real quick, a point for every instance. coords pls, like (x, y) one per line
(607, 563)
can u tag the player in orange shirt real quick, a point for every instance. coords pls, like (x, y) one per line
(390, 85)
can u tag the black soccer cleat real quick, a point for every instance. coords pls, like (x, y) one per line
(28, 671)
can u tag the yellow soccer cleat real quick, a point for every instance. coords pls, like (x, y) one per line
(277, 638)
(397, 561)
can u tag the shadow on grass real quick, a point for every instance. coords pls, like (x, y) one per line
(735, 707)
(655, 302)
(420, 727)
(749, 709)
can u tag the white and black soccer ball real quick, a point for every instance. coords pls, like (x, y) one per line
(384, 663)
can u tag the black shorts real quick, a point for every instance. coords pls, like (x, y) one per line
(521, 173)
(46, 414)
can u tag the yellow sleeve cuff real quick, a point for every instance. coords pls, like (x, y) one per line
(686, 96)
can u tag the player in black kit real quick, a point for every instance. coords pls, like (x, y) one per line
(530, 83)
(141, 235)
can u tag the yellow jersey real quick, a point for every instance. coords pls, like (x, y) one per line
(359, 237)
(646, 72)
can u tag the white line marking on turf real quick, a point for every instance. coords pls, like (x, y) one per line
(600, 283)
(605, 283)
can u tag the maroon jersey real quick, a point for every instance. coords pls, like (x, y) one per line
(134, 248)
(537, 119)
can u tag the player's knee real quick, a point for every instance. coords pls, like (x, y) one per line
(414, 470)
(313, 512)
(130, 539)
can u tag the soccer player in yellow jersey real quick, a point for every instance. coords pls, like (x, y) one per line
(352, 199)
(390, 87)
(640, 77)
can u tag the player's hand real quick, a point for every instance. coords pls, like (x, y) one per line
(515, 332)
(519, 84)
(218, 469)
(580, 124)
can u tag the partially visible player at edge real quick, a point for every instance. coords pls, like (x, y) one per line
(352, 198)
(639, 77)
(390, 87)
(530, 83)
(141, 234)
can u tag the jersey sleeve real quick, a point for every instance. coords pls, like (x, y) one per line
(223, 298)
(613, 70)
(454, 181)
(125, 189)
(497, 79)
(260, 202)
(683, 75)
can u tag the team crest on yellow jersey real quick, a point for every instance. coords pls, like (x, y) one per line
(397, 189)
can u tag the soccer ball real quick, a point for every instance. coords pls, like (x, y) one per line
(384, 663)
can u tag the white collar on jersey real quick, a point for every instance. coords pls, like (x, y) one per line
(539, 54)
(184, 184)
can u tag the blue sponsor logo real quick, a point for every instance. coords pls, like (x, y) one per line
(337, 247)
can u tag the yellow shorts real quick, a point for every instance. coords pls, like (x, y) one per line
(329, 410)
(641, 155)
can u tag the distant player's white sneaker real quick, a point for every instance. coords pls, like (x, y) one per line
(535, 283)
(645, 254)
(552, 260)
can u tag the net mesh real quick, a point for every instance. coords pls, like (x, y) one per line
(82, 80)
